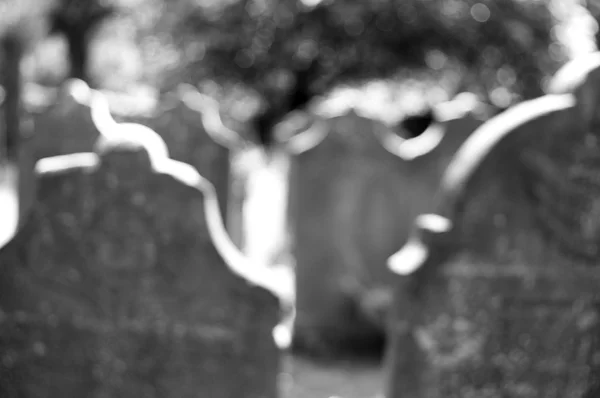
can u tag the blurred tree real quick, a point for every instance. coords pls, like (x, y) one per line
(77, 21)
(289, 52)
(24, 20)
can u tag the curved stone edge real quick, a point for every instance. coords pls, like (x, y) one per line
(406, 149)
(482, 142)
(459, 172)
(573, 74)
(433, 137)
(320, 128)
(280, 285)
(209, 110)
(309, 138)
(413, 148)
(188, 95)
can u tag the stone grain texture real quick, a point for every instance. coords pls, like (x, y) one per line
(503, 301)
(115, 287)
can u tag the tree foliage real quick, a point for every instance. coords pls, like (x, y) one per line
(289, 52)
(77, 21)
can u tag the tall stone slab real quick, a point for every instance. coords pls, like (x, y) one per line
(190, 124)
(124, 283)
(355, 189)
(62, 125)
(340, 193)
(186, 120)
(497, 289)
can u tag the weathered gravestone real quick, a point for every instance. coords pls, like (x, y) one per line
(124, 283)
(498, 293)
(186, 120)
(355, 189)
(63, 125)
(190, 124)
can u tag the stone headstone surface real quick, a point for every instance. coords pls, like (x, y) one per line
(342, 195)
(180, 126)
(62, 127)
(352, 202)
(66, 126)
(118, 286)
(497, 293)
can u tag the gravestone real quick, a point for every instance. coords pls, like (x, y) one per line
(190, 124)
(497, 293)
(63, 126)
(354, 193)
(339, 193)
(72, 124)
(124, 283)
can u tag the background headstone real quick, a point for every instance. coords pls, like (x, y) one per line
(343, 193)
(352, 199)
(62, 125)
(181, 127)
(503, 301)
(116, 287)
